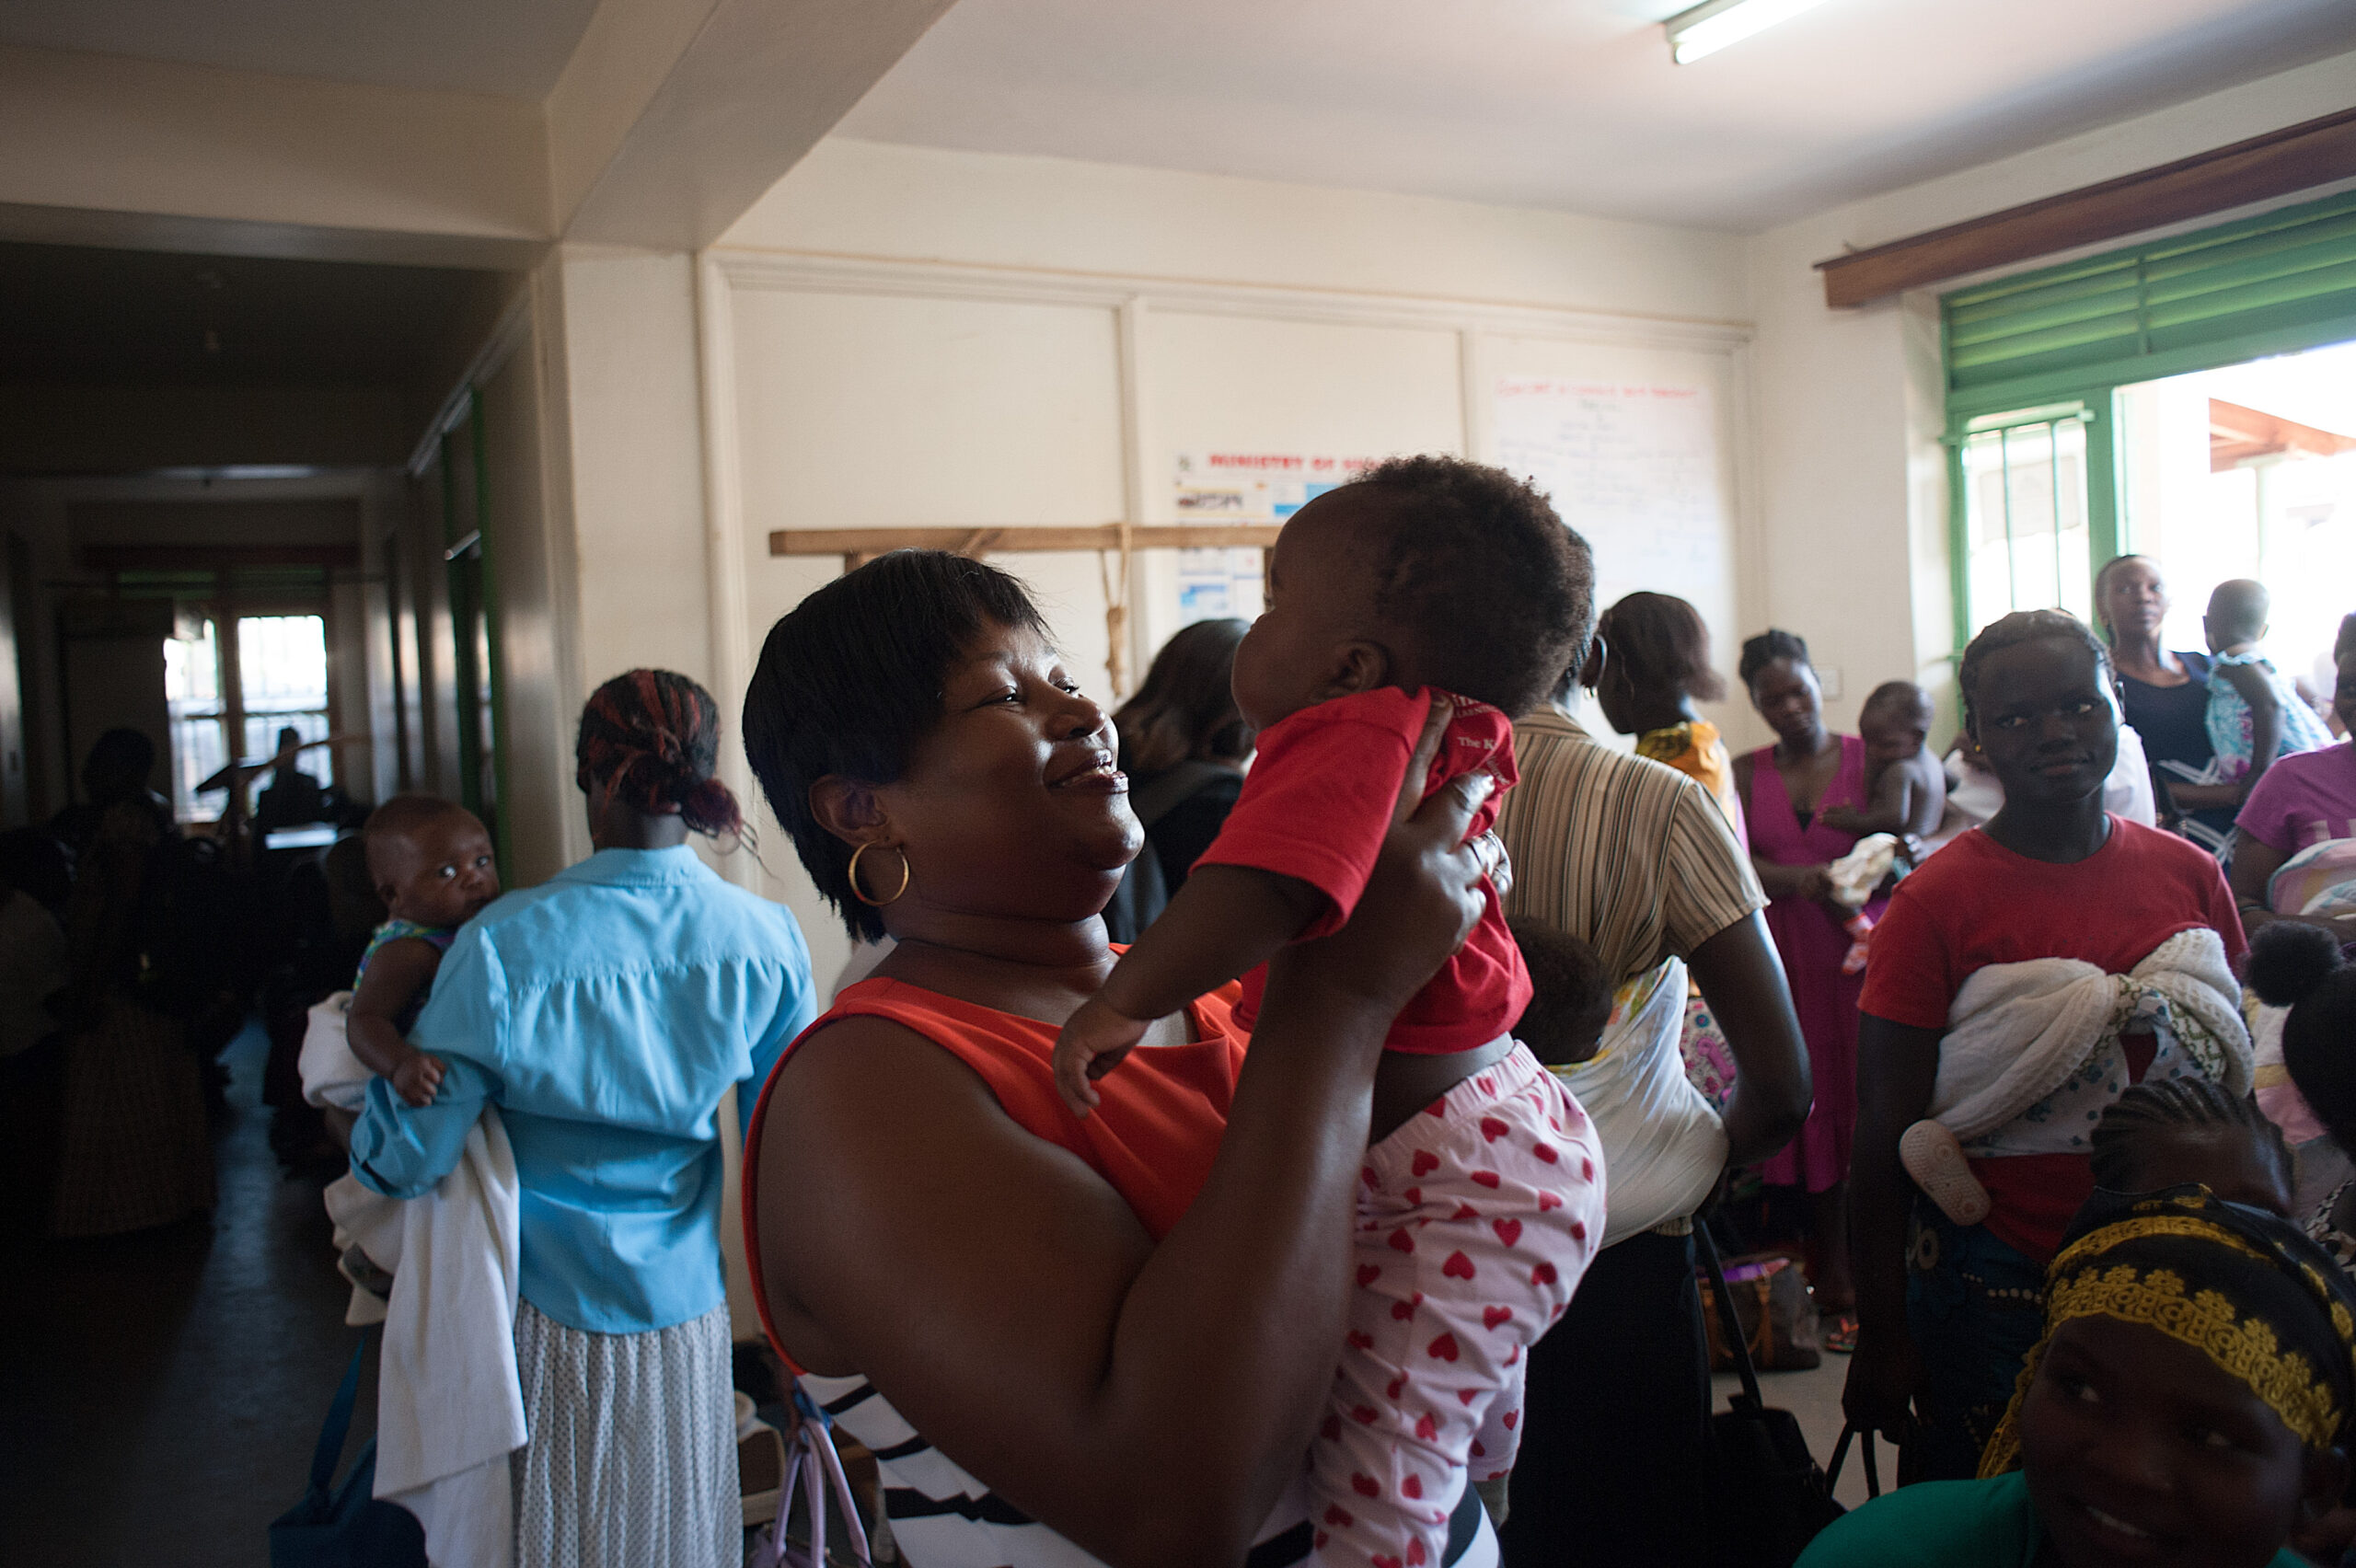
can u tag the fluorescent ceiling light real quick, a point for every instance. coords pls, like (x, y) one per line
(1708, 27)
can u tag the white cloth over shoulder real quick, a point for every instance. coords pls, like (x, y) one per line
(449, 1405)
(2018, 1032)
(1663, 1145)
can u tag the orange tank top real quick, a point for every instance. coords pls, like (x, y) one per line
(1153, 1137)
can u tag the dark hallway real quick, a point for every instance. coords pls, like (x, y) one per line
(160, 1391)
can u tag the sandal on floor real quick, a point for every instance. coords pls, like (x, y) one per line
(1931, 1155)
(1841, 1335)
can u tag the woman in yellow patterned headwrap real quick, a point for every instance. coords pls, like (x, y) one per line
(2190, 1404)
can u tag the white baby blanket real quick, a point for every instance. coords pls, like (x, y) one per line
(449, 1408)
(2017, 1032)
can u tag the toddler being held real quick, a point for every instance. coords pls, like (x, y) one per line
(1430, 581)
(431, 864)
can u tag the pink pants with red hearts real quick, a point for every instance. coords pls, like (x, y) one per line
(1474, 1222)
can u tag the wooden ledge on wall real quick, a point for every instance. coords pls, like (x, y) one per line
(2297, 157)
(860, 545)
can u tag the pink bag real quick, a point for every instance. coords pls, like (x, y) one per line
(813, 1469)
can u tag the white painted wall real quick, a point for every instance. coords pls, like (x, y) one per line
(1849, 405)
(852, 198)
(901, 336)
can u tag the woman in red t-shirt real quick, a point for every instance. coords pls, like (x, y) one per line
(1948, 1311)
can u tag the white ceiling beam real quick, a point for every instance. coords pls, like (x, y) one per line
(101, 149)
(675, 116)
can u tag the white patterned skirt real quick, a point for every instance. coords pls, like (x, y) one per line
(632, 1458)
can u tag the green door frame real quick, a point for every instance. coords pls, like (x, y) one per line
(2288, 287)
(2097, 409)
(474, 615)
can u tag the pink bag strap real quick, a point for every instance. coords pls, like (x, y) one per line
(813, 1469)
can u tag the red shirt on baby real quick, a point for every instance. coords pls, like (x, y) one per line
(1317, 806)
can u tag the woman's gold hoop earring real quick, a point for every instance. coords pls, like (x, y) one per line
(852, 873)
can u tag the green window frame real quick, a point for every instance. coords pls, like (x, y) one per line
(2058, 342)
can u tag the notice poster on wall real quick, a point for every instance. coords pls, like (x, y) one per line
(1633, 466)
(1244, 488)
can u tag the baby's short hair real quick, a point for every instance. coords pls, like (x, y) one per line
(1901, 699)
(1498, 593)
(2240, 606)
(1570, 992)
(398, 818)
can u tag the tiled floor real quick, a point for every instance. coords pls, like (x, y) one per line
(161, 1393)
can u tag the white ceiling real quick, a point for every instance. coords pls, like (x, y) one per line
(1571, 104)
(507, 48)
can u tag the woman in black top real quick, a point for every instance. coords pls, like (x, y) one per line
(2166, 699)
(1184, 745)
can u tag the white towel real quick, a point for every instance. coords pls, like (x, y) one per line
(1663, 1145)
(2017, 1031)
(333, 1078)
(449, 1406)
(1856, 874)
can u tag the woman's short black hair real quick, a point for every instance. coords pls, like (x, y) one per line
(850, 679)
(1766, 647)
(1661, 642)
(1185, 711)
(2011, 631)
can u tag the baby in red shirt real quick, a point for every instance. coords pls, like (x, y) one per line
(1481, 1199)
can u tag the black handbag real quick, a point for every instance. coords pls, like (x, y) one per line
(1772, 1498)
(345, 1526)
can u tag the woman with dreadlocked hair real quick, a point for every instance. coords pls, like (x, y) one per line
(608, 1013)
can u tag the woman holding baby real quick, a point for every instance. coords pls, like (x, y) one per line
(1111, 1337)
(1794, 793)
(605, 1014)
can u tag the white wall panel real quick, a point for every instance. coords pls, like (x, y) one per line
(881, 411)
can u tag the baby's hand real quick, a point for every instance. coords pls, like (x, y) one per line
(418, 1079)
(1090, 1045)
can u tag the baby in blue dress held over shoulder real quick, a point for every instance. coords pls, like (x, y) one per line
(431, 864)
(2255, 713)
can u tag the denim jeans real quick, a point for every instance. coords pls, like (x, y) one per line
(1975, 1306)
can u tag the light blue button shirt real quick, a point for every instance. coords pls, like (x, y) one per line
(604, 1012)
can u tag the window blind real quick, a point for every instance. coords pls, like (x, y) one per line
(2274, 283)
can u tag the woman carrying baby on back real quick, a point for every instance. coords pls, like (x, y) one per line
(2022, 979)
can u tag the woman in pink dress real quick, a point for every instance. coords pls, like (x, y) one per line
(1785, 789)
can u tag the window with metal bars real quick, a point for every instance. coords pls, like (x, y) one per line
(2024, 540)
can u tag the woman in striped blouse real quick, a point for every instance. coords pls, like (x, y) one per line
(1120, 1332)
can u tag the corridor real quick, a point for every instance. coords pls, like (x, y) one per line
(161, 1392)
